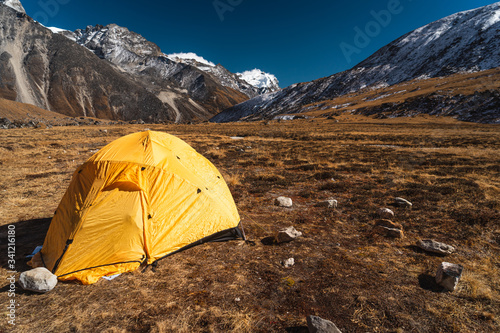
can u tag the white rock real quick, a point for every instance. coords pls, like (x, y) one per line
(287, 235)
(448, 275)
(39, 279)
(386, 213)
(283, 202)
(318, 325)
(289, 262)
(400, 202)
(430, 245)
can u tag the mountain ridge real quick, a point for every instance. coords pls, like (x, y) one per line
(429, 51)
(127, 78)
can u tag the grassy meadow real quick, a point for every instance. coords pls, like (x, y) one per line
(343, 272)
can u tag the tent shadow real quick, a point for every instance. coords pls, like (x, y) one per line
(28, 235)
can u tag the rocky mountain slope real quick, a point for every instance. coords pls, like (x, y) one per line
(134, 54)
(14, 4)
(107, 72)
(52, 72)
(464, 42)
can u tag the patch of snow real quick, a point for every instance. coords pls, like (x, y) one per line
(495, 18)
(258, 78)
(179, 57)
(14, 4)
(57, 30)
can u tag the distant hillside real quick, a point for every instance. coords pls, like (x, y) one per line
(15, 111)
(464, 42)
(467, 96)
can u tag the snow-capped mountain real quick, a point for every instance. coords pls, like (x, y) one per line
(465, 41)
(264, 81)
(191, 59)
(135, 55)
(14, 4)
(55, 73)
(108, 72)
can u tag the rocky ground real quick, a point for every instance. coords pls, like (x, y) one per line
(355, 264)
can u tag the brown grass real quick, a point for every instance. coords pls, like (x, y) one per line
(343, 272)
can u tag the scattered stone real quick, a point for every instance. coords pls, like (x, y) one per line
(287, 235)
(283, 202)
(388, 224)
(389, 232)
(430, 245)
(330, 203)
(400, 202)
(318, 325)
(39, 279)
(448, 275)
(386, 213)
(288, 263)
(388, 228)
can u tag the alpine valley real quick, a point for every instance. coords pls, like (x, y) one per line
(110, 72)
(449, 67)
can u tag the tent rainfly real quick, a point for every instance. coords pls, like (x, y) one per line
(139, 199)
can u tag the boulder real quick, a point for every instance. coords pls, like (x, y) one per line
(448, 275)
(318, 325)
(400, 202)
(389, 232)
(39, 279)
(388, 224)
(388, 228)
(430, 245)
(287, 235)
(330, 203)
(283, 202)
(386, 213)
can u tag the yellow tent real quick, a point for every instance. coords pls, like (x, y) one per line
(139, 199)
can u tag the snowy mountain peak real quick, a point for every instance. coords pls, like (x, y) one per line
(15, 4)
(260, 79)
(264, 82)
(189, 58)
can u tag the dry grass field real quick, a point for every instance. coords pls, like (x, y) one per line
(343, 272)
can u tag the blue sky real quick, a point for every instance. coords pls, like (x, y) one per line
(297, 41)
